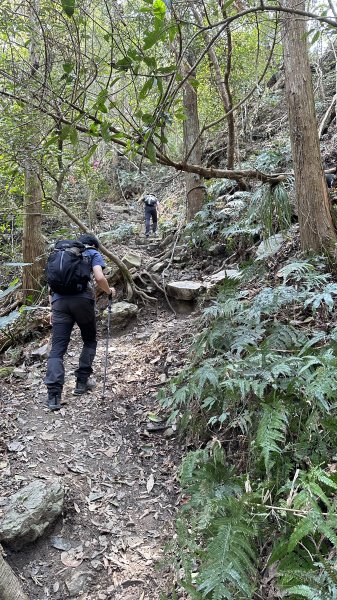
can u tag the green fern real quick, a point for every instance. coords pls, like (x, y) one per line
(271, 433)
(229, 568)
(296, 270)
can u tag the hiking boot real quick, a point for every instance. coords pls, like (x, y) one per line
(54, 400)
(82, 386)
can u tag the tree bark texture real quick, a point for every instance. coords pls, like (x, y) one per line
(32, 245)
(195, 189)
(10, 586)
(317, 231)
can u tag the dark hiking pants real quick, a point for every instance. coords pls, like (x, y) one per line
(150, 213)
(67, 311)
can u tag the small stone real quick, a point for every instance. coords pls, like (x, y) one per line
(60, 543)
(158, 267)
(76, 584)
(15, 446)
(169, 432)
(20, 373)
(41, 352)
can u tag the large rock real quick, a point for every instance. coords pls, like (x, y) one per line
(30, 511)
(122, 312)
(132, 260)
(184, 290)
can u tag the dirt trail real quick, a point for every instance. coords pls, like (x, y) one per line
(120, 482)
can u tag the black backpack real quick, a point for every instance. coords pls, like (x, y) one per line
(150, 200)
(68, 271)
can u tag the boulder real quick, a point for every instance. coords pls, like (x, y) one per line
(132, 260)
(184, 290)
(30, 511)
(122, 312)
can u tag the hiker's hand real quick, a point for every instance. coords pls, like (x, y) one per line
(112, 292)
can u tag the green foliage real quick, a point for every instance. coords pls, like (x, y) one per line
(261, 378)
(272, 429)
(271, 207)
(120, 233)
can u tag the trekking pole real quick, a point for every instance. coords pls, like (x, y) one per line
(107, 344)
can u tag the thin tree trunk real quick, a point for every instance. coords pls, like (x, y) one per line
(317, 231)
(10, 586)
(195, 188)
(32, 244)
(222, 83)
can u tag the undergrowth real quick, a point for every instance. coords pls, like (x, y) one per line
(260, 396)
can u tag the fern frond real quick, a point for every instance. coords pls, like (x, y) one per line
(284, 337)
(230, 559)
(325, 296)
(271, 433)
(296, 269)
(304, 591)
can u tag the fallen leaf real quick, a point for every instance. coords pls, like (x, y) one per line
(93, 496)
(73, 558)
(15, 446)
(150, 483)
(153, 417)
(60, 543)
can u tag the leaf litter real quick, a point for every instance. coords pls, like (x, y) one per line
(121, 492)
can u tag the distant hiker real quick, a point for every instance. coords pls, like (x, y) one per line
(71, 296)
(151, 204)
(331, 180)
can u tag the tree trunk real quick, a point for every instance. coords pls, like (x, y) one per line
(32, 245)
(195, 188)
(10, 586)
(317, 231)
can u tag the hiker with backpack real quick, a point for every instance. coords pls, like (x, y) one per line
(151, 204)
(71, 295)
